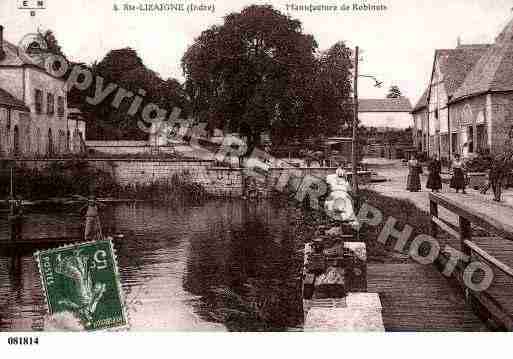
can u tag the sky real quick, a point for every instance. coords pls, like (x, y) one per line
(398, 43)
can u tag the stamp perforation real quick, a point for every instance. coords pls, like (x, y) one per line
(117, 277)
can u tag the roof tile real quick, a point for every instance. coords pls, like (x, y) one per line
(494, 70)
(6, 99)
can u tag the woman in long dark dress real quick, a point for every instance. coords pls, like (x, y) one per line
(413, 182)
(458, 174)
(434, 182)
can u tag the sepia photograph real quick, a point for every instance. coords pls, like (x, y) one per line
(255, 166)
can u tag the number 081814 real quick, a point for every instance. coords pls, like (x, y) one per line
(23, 340)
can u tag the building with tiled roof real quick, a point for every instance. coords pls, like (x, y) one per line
(468, 104)
(392, 113)
(33, 108)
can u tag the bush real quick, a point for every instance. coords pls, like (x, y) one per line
(481, 163)
(57, 179)
(77, 177)
(179, 187)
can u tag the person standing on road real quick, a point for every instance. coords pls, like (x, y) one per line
(434, 182)
(500, 169)
(458, 174)
(413, 182)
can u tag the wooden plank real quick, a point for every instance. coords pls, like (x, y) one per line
(492, 217)
(495, 218)
(445, 227)
(492, 307)
(497, 301)
(490, 259)
(417, 297)
(495, 309)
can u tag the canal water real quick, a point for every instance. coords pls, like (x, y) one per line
(219, 266)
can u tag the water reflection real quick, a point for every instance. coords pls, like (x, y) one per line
(219, 266)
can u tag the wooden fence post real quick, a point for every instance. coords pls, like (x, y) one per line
(433, 211)
(465, 234)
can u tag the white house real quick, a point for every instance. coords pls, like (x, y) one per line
(387, 113)
(42, 127)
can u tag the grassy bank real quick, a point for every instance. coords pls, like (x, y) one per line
(77, 177)
(404, 211)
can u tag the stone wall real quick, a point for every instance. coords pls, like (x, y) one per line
(119, 147)
(219, 181)
(126, 148)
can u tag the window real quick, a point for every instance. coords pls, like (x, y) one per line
(50, 105)
(60, 105)
(39, 101)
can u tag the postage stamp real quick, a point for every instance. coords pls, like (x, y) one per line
(83, 279)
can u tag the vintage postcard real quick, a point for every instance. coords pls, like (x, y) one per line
(255, 166)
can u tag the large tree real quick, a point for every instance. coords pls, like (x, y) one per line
(332, 88)
(394, 92)
(126, 69)
(52, 45)
(251, 73)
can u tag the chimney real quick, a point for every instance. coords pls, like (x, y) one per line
(2, 53)
(459, 41)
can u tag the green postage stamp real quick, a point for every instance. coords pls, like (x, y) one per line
(83, 279)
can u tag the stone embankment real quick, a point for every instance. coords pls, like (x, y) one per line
(217, 181)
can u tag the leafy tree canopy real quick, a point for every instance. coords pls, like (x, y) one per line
(126, 69)
(51, 42)
(394, 92)
(259, 72)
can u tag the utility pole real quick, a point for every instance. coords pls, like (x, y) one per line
(355, 124)
(11, 191)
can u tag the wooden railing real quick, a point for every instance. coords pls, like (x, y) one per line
(493, 218)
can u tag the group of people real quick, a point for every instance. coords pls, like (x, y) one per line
(434, 182)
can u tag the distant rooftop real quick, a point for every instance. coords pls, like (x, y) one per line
(401, 104)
